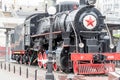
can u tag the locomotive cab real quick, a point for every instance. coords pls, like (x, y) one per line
(67, 6)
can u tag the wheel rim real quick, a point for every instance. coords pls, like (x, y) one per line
(44, 58)
(29, 61)
(40, 64)
(64, 65)
(18, 60)
(21, 61)
(45, 66)
(75, 67)
(55, 67)
(40, 60)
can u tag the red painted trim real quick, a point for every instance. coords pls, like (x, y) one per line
(112, 56)
(43, 34)
(18, 52)
(66, 45)
(79, 56)
(89, 56)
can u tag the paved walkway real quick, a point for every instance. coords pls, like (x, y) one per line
(5, 75)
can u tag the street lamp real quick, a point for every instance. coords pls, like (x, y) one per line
(46, 5)
(49, 74)
(7, 44)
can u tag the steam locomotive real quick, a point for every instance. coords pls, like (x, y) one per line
(81, 41)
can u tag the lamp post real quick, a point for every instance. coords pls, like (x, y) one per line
(49, 73)
(46, 6)
(7, 44)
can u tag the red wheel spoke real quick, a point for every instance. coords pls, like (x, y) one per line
(55, 67)
(40, 58)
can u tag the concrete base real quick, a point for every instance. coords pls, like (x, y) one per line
(71, 77)
(113, 76)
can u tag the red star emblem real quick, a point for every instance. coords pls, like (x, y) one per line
(90, 21)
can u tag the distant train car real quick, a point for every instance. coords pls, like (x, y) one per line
(81, 40)
(3, 52)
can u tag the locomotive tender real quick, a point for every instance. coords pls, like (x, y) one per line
(81, 40)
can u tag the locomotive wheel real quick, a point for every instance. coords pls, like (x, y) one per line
(40, 64)
(40, 58)
(21, 59)
(45, 66)
(75, 67)
(18, 59)
(55, 67)
(24, 60)
(29, 63)
(64, 64)
(44, 59)
(27, 60)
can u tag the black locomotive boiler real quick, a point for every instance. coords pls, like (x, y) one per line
(81, 40)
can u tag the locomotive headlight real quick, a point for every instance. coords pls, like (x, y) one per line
(111, 46)
(90, 2)
(81, 45)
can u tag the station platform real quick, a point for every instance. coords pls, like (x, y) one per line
(13, 71)
(5, 75)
